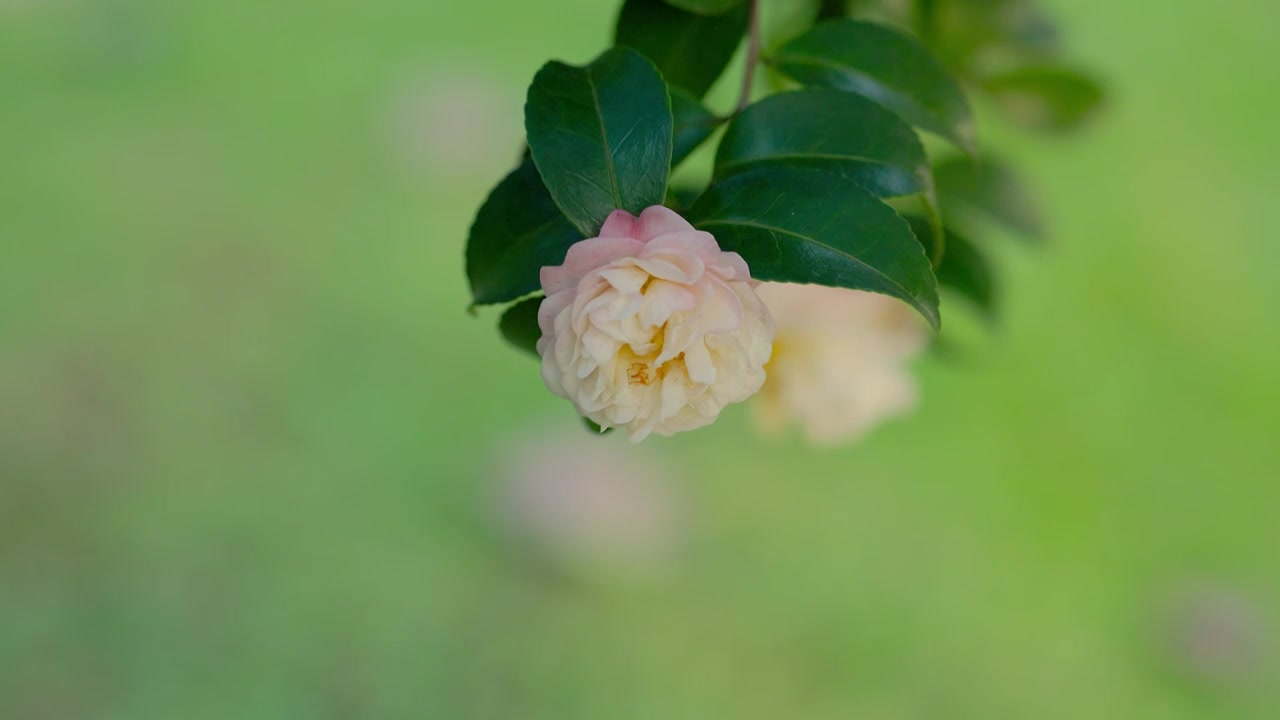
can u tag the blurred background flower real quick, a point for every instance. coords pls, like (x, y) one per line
(450, 118)
(839, 364)
(1217, 635)
(586, 507)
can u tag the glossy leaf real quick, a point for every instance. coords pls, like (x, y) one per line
(887, 66)
(781, 22)
(831, 130)
(935, 240)
(964, 269)
(987, 190)
(973, 33)
(837, 132)
(705, 7)
(519, 324)
(1046, 97)
(833, 9)
(691, 50)
(936, 246)
(802, 225)
(601, 136)
(682, 198)
(517, 231)
(693, 124)
(926, 20)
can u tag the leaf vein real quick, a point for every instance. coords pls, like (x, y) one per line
(604, 138)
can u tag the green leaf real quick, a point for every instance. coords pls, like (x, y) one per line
(931, 233)
(593, 427)
(969, 35)
(516, 232)
(781, 22)
(936, 248)
(887, 66)
(830, 130)
(705, 7)
(519, 324)
(802, 225)
(693, 124)
(963, 269)
(989, 190)
(691, 50)
(1046, 97)
(926, 17)
(837, 132)
(832, 9)
(681, 199)
(601, 136)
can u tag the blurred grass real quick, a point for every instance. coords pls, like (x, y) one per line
(247, 432)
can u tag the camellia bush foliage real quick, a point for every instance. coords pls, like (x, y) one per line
(848, 184)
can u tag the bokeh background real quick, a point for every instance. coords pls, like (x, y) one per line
(256, 460)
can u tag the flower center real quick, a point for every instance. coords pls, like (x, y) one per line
(638, 373)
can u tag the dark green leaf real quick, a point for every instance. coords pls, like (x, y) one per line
(705, 7)
(837, 132)
(1046, 97)
(988, 190)
(781, 22)
(887, 66)
(936, 248)
(935, 242)
(517, 231)
(927, 20)
(691, 50)
(681, 199)
(831, 130)
(593, 427)
(803, 225)
(693, 125)
(966, 271)
(963, 268)
(833, 9)
(519, 324)
(972, 33)
(601, 136)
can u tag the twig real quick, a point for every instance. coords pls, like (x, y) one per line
(753, 53)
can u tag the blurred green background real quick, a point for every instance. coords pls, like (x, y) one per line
(256, 461)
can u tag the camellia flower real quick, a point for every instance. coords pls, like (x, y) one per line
(839, 361)
(651, 326)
